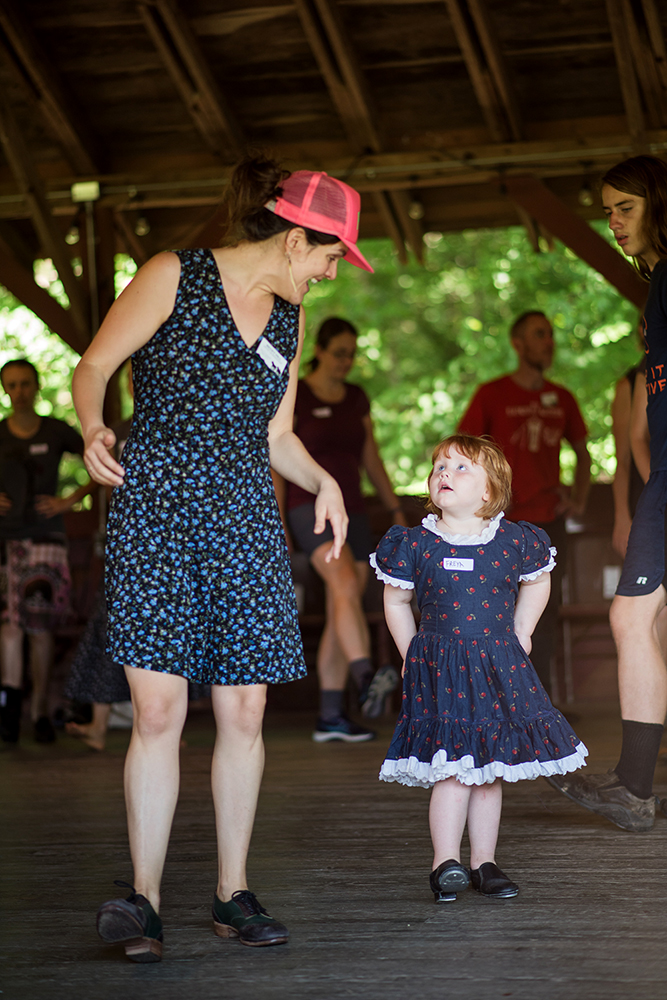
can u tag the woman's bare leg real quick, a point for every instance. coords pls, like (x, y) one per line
(484, 808)
(11, 655)
(342, 581)
(448, 812)
(236, 776)
(160, 704)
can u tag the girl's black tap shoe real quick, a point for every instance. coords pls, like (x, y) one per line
(490, 881)
(448, 878)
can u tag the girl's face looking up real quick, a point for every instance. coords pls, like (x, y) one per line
(458, 485)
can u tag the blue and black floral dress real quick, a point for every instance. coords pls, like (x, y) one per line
(473, 707)
(198, 576)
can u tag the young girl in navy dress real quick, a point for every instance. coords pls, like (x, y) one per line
(473, 708)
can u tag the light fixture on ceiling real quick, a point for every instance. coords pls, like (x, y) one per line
(72, 236)
(416, 210)
(585, 196)
(142, 226)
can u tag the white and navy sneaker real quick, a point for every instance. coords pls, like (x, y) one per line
(343, 729)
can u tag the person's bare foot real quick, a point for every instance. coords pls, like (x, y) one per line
(84, 732)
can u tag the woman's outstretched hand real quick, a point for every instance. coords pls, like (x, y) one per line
(329, 506)
(101, 465)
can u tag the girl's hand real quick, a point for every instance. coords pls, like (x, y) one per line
(101, 465)
(526, 642)
(5, 504)
(329, 506)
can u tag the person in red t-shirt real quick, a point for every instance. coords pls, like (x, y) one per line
(528, 417)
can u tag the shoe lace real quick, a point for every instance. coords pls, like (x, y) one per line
(243, 897)
(134, 895)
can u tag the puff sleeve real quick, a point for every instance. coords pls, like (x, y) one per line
(393, 560)
(537, 552)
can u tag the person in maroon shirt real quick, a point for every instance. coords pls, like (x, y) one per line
(528, 416)
(332, 418)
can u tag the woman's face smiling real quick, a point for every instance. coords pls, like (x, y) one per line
(625, 213)
(311, 264)
(458, 485)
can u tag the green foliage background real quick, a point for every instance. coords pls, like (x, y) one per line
(428, 336)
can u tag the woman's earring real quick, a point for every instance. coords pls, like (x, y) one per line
(289, 264)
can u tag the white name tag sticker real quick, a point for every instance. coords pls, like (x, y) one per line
(548, 399)
(270, 356)
(39, 449)
(322, 411)
(463, 565)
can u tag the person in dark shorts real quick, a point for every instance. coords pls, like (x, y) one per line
(634, 196)
(34, 571)
(332, 418)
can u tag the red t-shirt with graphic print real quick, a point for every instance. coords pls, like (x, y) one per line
(529, 426)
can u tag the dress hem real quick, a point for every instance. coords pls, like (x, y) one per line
(422, 774)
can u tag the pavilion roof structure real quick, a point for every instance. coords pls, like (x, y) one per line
(444, 114)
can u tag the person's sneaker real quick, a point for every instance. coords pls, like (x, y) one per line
(134, 923)
(341, 728)
(604, 794)
(243, 917)
(373, 698)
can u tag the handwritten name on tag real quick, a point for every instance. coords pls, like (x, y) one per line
(270, 356)
(322, 411)
(39, 449)
(462, 565)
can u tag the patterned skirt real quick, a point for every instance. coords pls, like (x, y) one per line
(35, 585)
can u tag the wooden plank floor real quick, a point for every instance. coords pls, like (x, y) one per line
(343, 859)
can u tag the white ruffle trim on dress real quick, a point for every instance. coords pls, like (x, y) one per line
(394, 581)
(411, 771)
(553, 552)
(486, 535)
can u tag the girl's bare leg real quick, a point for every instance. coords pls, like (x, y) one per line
(448, 811)
(484, 808)
(160, 704)
(236, 776)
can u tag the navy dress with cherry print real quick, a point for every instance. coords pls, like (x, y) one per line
(473, 707)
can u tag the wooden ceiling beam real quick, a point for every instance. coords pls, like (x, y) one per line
(656, 39)
(335, 55)
(31, 187)
(185, 62)
(478, 71)
(542, 205)
(626, 73)
(645, 66)
(20, 282)
(133, 245)
(495, 59)
(34, 71)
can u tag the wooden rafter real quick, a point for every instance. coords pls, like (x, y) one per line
(656, 40)
(645, 66)
(128, 237)
(32, 67)
(182, 55)
(495, 59)
(626, 72)
(31, 187)
(335, 55)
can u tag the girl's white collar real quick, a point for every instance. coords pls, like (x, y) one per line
(486, 535)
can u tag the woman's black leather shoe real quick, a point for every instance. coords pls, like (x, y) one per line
(134, 923)
(490, 881)
(244, 918)
(448, 878)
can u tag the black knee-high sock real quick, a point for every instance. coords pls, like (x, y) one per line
(362, 671)
(639, 753)
(332, 705)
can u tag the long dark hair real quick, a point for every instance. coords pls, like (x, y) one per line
(255, 180)
(645, 177)
(329, 329)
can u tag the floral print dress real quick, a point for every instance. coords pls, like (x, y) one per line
(473, 707)
(198, 577)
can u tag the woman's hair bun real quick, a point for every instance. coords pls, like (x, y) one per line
(255, 181)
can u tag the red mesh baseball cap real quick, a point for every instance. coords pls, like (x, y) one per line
(317, 201)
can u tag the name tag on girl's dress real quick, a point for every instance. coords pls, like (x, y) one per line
(270, 356)
(462, 565)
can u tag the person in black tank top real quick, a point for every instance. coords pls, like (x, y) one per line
(634, 196)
